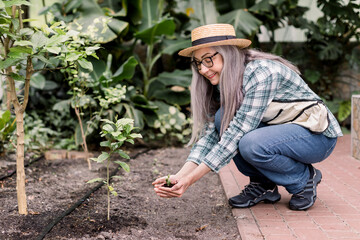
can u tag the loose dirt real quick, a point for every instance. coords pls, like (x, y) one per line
(136, 213)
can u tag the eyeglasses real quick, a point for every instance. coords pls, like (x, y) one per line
(207, 62)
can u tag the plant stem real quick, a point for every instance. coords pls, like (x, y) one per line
(83, 137)
(45, 15)
(108, 189)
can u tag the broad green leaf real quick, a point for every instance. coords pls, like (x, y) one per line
(9, 62)
(95, 180)
(263, 6)
(126, 70)
(244, 22)
(123, 154)
(108, 128)
(176, 78)
(6, 116)
(344, 110)
(123, 165)
(130, 141)
(16, 3)
(26, 31)
(95, 24)
(45, 60)
(56, 40)
(85, 64)
(2, 5)
(37, 81)
(72, 57)
(23, 43)
(152, 34)
(172, 97)
(103, 156)
(105, 144)
(117, 26)
(173, 46)
(39, 40)
(55, 50)
(135, 135)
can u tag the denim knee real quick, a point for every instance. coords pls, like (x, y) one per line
(250, 147)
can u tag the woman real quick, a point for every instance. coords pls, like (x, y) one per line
(254, 108)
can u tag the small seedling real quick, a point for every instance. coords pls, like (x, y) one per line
(168, 182)
(116, 134)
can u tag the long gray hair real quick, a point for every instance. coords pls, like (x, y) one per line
(203, 98)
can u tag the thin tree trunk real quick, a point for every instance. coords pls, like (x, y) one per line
(83, 137)
(20, 148)
(20, 170)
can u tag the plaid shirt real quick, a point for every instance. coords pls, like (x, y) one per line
(263, 82)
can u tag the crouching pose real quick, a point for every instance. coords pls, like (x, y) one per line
(254, 108)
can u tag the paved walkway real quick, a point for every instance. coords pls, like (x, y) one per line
(335, 215)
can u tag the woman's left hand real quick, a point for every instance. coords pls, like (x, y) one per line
(176, 191)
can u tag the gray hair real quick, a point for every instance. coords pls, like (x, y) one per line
(203, 100)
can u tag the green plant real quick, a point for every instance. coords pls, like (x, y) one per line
(329, 45)
(25, 52)
(116, 133)
(168, 182)
(7, 127)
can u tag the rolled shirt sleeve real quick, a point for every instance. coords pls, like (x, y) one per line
(203, 146)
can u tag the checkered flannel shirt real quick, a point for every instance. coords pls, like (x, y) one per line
(263, 82)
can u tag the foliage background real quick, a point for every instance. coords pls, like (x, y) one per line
(139, 75)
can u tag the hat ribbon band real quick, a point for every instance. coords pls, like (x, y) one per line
(211, 39)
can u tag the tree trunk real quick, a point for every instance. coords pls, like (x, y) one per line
(20, 134)
(20, 170)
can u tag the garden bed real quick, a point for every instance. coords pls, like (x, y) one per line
(136, 213)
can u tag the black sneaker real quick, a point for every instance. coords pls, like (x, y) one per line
(306, 198)
(254, 193)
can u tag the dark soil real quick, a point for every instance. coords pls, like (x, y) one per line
(136, 213)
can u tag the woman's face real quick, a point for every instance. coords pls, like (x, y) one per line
(209, 57)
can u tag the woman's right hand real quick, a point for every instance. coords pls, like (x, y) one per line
(162, 180)
(179, 188)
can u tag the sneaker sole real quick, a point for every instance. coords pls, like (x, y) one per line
(250, 203)
(313, 199)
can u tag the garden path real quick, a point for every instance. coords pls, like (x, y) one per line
(335, 215)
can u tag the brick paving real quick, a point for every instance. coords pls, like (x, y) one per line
(335, 215)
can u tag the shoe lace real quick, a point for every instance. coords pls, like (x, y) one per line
(251, 188)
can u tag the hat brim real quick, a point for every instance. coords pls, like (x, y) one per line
(241, 43)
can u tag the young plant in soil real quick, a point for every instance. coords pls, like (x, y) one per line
(116, 133)
(168, 182)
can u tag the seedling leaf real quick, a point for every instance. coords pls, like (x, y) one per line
(95, 180)
(103, 157)
(123, 165)
(123, 154)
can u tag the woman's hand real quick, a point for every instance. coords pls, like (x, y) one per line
(176, 191)
(161, 181)
(181, 180)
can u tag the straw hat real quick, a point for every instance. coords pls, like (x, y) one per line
(213, 35)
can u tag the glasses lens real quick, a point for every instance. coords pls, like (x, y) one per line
(207, 62)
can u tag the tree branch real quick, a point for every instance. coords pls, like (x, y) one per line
(29, 73)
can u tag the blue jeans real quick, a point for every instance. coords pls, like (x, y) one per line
(280, 154)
